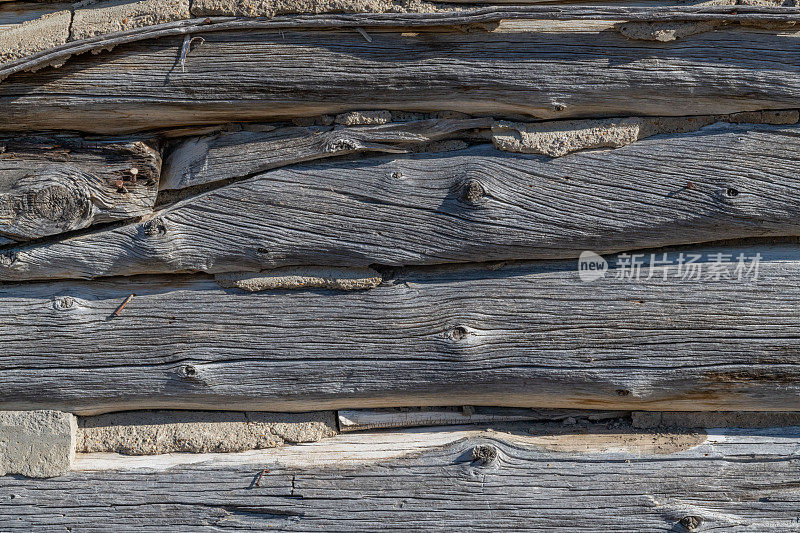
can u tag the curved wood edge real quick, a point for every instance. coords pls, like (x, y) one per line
(58, 55)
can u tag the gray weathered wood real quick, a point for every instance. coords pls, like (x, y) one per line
(50, 185)
(528, 334)
(263, 74)
(404, 417)
(460, 480)
(721, 182)
(233, 155)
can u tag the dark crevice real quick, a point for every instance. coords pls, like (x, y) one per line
(59, 237)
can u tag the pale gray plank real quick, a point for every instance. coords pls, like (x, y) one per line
(404, 417)
(725, 181)
(457, 480)
(237, 154)
(519, 334)
(278, 73)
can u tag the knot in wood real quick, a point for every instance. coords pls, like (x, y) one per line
(64, 302)
(189, 371)
(691, 522)
(472, 191)
(8, 259)
(154, 227)
(731, 192)
(47, 202)
(342, 144)
(484, 454)
(56, 203)
(458, 333)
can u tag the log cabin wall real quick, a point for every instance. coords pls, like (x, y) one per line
(399, 264)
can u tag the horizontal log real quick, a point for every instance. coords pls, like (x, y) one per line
(35, 29)
(516, 334)
(264, 73)
(726, 181)
(233, 155)
(51, 185)
(437, 481)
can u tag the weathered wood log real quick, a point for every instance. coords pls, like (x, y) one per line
(50, 185)
(434, 481)
(234, 155)
(34, 29)
(264, 74)
(528, 335)
(480, 204)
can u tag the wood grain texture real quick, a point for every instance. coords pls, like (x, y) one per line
(405, 417)
(730, 480)
(237, 154)
(724, 181)
(516, 334)
(51, 185)
(266, 74)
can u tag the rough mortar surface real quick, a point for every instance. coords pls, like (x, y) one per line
(322, 277)
(34, 36)
(363, 118)
(665, 31)
(98, 18)
(270, 8)
(156, 432)
(37, 443)
(558, 138)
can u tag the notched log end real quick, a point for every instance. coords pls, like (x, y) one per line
(53, 185)
(52, 200)
(306, 277)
